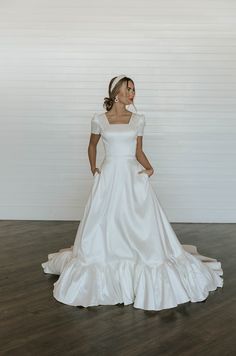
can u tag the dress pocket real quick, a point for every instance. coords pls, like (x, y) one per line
(140, 168)
(144, 174)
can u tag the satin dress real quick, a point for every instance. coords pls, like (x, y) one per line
(125, 250)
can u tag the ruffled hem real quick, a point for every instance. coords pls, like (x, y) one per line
(188, 277)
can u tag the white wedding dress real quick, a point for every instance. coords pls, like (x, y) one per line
(125, 250)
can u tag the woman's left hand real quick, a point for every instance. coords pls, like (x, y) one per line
(149, 172)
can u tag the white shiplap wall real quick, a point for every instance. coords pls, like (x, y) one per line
(57, 58)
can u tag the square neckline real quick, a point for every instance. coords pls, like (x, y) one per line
(131, 117)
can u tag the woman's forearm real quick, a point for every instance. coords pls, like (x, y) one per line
(142, 159)
(92, 153)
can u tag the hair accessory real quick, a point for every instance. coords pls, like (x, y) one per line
(117, 80)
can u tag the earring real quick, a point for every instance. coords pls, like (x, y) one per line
(116, 99)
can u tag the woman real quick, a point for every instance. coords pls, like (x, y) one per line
(125, 250)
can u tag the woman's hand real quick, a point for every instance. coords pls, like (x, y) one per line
(96, 170)
(149, 172)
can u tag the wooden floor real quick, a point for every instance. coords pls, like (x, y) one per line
(34, 323)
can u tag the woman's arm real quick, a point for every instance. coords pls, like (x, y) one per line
(141, 157)
(92, 151)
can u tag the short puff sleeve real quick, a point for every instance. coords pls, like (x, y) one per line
(95, 125)
(141, 124)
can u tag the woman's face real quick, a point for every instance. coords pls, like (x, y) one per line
(126, 94)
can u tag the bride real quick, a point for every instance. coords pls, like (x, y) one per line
(125, 250)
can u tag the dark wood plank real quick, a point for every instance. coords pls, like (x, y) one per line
(34, 323)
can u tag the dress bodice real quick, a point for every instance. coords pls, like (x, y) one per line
(118, 139)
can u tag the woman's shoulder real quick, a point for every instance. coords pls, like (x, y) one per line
(141, 118)
(140, 115)
(97, 115)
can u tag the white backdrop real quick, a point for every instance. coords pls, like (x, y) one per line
(57, 57)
